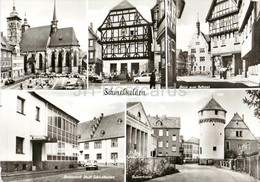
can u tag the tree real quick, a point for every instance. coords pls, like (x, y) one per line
(253, 101)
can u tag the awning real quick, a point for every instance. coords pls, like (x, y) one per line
(41, 138)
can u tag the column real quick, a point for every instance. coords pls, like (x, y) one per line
(142, 142)
(132, 139)
(146, 144)
(139, 141)
(233, 65)
(129, 139)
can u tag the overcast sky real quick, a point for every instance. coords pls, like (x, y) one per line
(186, 26)
(99, 9)
(84, 107)
(187, 108)
(40, 13)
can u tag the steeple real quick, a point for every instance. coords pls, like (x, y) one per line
(25, 25)
(14, 12)
(54, 22)
(198, 25)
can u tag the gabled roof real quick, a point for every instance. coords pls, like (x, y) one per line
(5, 45)
(211, 9)
(93, 33)
(130, 104)
(64, 37)
(206, 37)
(213, 105)
(109, 124)
(35, 39)
(193, 140)
(123, 5)
(167, 122)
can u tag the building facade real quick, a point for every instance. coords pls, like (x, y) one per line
(36, 133)
(45, 49)
(199, 53)
(212, 118)
(249, 28)
(181, 62)
(139, 138)
(94, 52)
(6, 60)
(167, 131)
(191, 149)
(224, 36)
(238, 138)
(103, 139)
(126, 41)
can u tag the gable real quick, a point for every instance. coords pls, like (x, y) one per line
(137, 111)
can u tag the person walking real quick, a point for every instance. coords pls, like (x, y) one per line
(152, 79)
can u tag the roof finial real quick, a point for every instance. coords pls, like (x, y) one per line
(13, 5)
(54, 12)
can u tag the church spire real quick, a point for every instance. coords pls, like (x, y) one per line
(54, 22)
(14, 12)
(198, 25)
(25, 25)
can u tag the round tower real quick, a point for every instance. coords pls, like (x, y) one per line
(212, 119)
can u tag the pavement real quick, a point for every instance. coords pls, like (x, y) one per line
(197, 173)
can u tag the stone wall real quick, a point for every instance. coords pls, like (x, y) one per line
(16, 166)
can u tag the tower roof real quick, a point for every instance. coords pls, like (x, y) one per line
(123, 5)
(213, 105)
(14, 13)
(54, 12)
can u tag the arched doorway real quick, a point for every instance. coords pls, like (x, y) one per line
(53, 62)
(40, 62)
(60, 63)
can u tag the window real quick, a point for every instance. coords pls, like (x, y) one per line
(197, 43)
(167, 133)
(102, 132)
(248, 146)
(160, 154)
(114, 143)
(201, 113)
(167, 144)
(86, 145)
(37, 117)
(99, 156)
(98, 145)
(200, 150)
(228, 145)
(174, 148)
(160, 132)
(91, 43)
(239, 146)
(19, 145)
(216, 112)
(114, 156)
(193, 51)
(239, 133)
(160, 144)
(174, 138)
(61, 145)
(202, 50)
(91, 55)
(86, 156)
(20, 105)
(214, 148)
(202, 58)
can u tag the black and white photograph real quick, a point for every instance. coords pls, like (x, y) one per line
(48, 136)
(43, 44)
(202, 136)
(218, 44)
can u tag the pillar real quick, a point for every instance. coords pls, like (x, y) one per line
(233, 65)
(142, 143)
(139, 141)
(132, 139)
(129, 139)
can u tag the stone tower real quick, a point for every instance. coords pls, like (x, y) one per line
(212, 119)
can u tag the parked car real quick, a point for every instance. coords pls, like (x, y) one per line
(70, 86)
(81, 83)
(81, 163)
(9, 81)
(95, 78)
(145, 78)
(91, 164)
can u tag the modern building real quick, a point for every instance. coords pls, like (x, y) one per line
(94, 52)
(103, 139)
(212, 118)
(191, 149)
(126, 39)
(238, 138)
(45, 49)
(37, 133)
(139, 138)
(224, 36)
(167, 131)
(174, 10)
(6, 60)
(249, 28)
(199, 53)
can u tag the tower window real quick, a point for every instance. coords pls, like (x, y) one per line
(214, 148)
(216, 112)
(200, 150)
(228, 145)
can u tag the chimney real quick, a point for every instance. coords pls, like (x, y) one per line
(243, 117)
(91, 25)
(102, 115)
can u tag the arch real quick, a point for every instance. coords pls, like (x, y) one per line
(53, 62)
(60, 62)
(67, 59)
(75, 59)
(40, 61)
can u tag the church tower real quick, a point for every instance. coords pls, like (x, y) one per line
(198, 26)
(14, 29)
(54, 22)
(212, 119)
(25, 25)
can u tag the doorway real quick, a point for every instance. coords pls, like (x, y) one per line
(37, 155)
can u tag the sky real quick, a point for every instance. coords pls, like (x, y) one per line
(186, 26)
(187, 107)
(99, 9)
(84, 107)
(40, 13)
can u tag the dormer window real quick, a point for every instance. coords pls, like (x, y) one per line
(139, 114)
(119, 121)
(60, 38)
(158, 123)
(102, 132)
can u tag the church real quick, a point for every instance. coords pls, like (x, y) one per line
(46, 48)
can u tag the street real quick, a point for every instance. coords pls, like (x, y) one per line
(115, 174)
(196, 173)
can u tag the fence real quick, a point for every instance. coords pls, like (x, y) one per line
(249, 165)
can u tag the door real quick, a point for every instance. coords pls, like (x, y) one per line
(37, 154)
(123, 68)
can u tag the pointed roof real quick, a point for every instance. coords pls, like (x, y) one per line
(5, 45)
(54, 12)
(123, 5)
(64, 37)
(130, 104)
(14, 13)
(213, 105)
